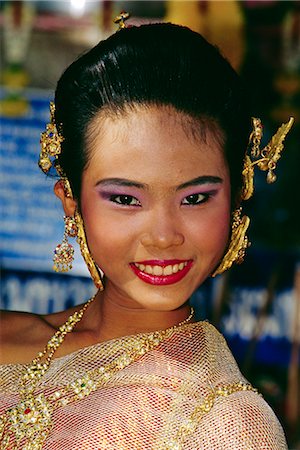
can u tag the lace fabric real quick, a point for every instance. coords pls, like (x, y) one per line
(187, 393)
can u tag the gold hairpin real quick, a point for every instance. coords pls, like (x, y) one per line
(50, 142)
(121, 18)
(265, 159)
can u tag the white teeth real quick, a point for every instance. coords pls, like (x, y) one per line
(148, 269)
(168, 270)
(159, 270)
(175, 268)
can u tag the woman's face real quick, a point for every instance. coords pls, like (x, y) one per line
(156, 206)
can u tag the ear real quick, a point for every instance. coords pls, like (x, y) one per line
(68, 203)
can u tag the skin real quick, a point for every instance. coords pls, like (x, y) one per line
(172, 211)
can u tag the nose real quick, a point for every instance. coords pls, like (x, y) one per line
(163, 231)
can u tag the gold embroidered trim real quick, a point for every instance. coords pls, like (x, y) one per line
(30, 422)
(190, 425)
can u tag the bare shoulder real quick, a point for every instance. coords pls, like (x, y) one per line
(23, 335)
(13, 323)
(17, 333)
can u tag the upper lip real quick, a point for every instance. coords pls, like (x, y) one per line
(161, 262)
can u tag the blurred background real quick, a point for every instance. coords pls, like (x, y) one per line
(256, 305)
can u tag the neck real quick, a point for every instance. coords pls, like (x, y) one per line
(109, 318)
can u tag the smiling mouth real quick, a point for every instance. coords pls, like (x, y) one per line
(161, 272)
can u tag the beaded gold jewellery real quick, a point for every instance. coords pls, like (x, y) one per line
(64, 252)
(265, 159)
(27, 425)
(51, 141)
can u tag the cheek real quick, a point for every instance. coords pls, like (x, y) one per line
(101, 232)
(109, 240)
(105, 244)
(212, 231)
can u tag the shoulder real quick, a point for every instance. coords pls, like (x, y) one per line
(242, 420)
(23, 334)
(210, 348)
(17, 332)
(14, 323)
(207, 333)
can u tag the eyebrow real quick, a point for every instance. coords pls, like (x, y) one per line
(120, 182)
(129, 183)
(206, 179)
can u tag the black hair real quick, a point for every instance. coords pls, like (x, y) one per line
(160, 64)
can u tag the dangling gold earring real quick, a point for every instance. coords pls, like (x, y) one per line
(64, 252)
(238, 242)
(265, 159)
(51, 147)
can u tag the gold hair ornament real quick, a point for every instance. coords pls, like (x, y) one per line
(64, 253)
(50, 143)
(121, 18)
(265, 159)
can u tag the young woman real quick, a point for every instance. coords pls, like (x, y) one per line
(148, 137)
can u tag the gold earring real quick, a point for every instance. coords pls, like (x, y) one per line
(91, 265)
(238, 243)
(64, 252)
(77, 224)
(51, 141)
(265, 159)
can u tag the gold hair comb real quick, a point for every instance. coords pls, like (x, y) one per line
(50, 142)
(121, 18)
(266, 158)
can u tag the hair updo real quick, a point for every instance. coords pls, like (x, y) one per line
(158, 64)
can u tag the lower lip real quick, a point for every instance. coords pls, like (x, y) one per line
(162, 280)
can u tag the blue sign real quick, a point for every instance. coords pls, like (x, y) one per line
(31, 216)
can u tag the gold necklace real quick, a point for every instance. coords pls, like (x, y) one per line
(30, 421)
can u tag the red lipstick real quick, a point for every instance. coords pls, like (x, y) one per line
(162, 280)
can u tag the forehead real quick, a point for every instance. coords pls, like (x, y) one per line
(151, 115)
(154, 138)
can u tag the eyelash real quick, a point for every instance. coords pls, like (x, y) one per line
(205, 197)
(130, 200)
(125, 198)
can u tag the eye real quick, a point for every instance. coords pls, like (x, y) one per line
(125, 200)
(195, 199)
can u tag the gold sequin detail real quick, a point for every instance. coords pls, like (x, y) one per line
(30, 422)
(190, 425)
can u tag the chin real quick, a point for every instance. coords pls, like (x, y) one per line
(163, 301)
